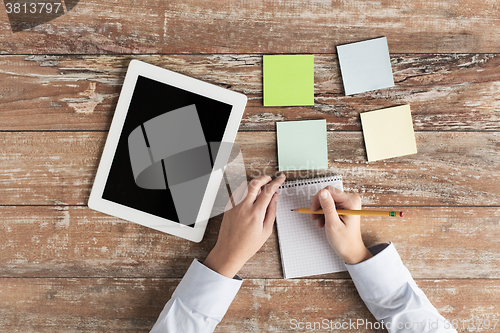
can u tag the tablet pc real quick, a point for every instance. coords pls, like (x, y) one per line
(157, 166)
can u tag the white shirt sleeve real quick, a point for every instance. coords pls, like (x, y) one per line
(392, 296)
(199, 302)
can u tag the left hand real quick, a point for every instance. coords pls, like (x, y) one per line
(246, 227)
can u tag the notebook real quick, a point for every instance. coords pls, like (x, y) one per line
(304, 247)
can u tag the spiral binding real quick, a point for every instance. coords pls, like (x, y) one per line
(309, 181)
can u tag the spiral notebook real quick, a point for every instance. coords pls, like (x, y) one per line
(304, 247)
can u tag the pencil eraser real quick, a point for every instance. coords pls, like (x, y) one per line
(401, 214)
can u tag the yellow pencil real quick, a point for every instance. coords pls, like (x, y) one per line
(352, 212)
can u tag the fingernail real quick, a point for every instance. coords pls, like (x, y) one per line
(276, 196)
(282, 175)
(323, 194)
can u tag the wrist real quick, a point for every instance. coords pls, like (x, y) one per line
(355, 257)
(220, 263)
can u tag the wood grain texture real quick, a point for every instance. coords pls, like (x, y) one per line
(451, 168)
(66, 268)
(47, 241)
(448, 92)
(132, 305)
(250, 26)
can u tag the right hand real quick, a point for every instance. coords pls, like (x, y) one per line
(343, 232)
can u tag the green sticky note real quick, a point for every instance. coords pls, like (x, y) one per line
(302, 145)
(288, 80)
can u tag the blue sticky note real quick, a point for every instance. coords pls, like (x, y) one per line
(365, 66)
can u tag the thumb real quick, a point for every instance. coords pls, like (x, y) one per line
(326, 202)
(328, 206)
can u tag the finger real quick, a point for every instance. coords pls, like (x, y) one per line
(329, 210)
(268, 191)
(255, 185)
(316, 216)
(347, 201)
(237, 196)
(242, 193)
(315, 203)
(321, 222)
(344, 200)
(271, 214)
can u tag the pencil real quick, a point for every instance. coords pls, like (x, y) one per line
(352, 212)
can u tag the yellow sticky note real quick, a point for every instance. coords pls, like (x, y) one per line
(288, 80)
(388, 133)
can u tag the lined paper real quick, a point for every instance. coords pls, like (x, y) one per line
(304, 247)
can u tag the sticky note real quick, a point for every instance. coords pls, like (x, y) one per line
(288, 80)
(302, 145)
(388, 133)
(365, 66)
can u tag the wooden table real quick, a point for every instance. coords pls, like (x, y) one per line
(66, 268)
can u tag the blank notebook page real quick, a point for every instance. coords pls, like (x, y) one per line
(304, 247)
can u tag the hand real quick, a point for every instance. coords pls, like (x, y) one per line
(246, 227)
(343, 232)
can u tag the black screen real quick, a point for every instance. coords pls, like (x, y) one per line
(150, 99)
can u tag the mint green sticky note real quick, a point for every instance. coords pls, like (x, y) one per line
(288, 80)
(302, 145)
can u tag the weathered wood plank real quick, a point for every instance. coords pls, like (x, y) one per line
(446, 92)
(82, 305)
(451, 168)
(259, 27)
(132, 305)
(43, 241)
(277, 302)
(69, 269)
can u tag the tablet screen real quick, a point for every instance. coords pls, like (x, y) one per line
(153, 99)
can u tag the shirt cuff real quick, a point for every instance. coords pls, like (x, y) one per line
(381, 274)
(207, 291)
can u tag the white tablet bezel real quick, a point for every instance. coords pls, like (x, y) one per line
(138, 68)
